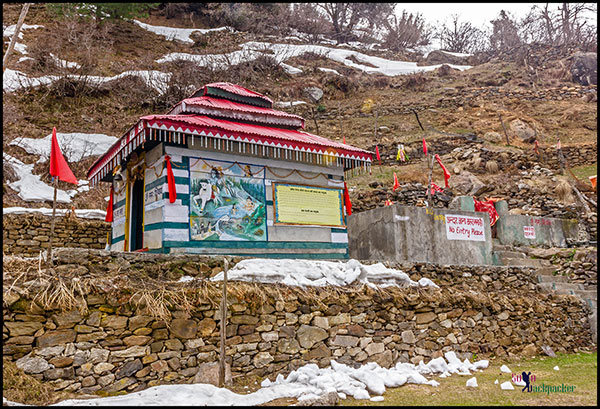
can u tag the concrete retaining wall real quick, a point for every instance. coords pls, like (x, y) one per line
(543, 231)
(417, 234)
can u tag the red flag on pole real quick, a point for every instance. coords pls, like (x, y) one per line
(446, 173)
(170, 180)
(377, 152)
(344, 139)
(558, 145)
(424, 147)
(396, 184)
(109, 209)
(58, 165)
(347, 200)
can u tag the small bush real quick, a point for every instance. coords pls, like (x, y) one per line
(492, 167)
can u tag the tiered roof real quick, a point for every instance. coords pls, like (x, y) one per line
(227, 117)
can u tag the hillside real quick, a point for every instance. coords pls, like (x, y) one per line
(531, 90)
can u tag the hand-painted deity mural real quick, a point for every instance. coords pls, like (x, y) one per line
(227, 202)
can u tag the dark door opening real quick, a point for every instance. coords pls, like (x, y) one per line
(137, 216)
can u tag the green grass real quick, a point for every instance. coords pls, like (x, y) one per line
(575, 369)
(584, 171)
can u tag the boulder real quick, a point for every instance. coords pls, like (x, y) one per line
(584, 68)
(32, 365)
(522, 130)
(308, 335)
(445, 57)
(314, 93)
(209, 373)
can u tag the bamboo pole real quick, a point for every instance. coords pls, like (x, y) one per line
(504, 127)
(49, 258)
(223, 324)
(13, 40)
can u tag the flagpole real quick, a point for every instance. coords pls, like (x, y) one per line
(49, 258)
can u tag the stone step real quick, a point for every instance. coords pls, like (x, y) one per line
(552, 278)
(526, 262)
(546, 271)
(502, 254)
(558, 287)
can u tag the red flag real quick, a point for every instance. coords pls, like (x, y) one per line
(58, 164)
(109, 209)
(347, 200)
(558, 145)
(344, 139)
(424, 147)
(536, 146)
(170, 180)
(396, 184)
(377, 152)
(487, 206)
(446, 173)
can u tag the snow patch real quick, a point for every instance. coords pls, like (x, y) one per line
(507, 386)
(287, 104)
(178, 34)
(75, 146)
(329, 70)
(82, 213)
(556, 368)
(318, 273)
(505, 369)
(472, 382)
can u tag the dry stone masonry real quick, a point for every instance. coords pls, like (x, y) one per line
(29, 233)
(118, 346)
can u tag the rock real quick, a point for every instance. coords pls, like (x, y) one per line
(59, 373)
(88, 381)
(61, 361)
(67, 319)
(408, 337)
(159, 366)
(32, 365)
(314, 93)
(23, 328)
(320, 350)
(106, 380)
(321, 322)
(209, 373)
(384, 359)
(102, 367)
(194, 343)
(120, 384)
(503, 316)
(57, 337)
(308, 335)
(129, 368)
(174, 344)
(493, 137)
(584, 68)
(288, 346)
(185, 329)
(440, 57)
(530, 350)
(425, 317)
(114, 321)
(206, 327)
(343, 318)
(522, 130)
(137, 340)
(244, 319)
(356, 330)
(374, 348)
(345, 340)
(328, 399)
(133, 351)
(262, 359)
(139, 321)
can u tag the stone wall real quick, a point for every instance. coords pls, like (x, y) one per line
(115, 344)
(579, 265)
(30, 233)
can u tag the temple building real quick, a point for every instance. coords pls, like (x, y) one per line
(224, 173)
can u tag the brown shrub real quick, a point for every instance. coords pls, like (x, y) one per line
(492, 167)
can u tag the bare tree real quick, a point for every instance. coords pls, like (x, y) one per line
(505, 33)
(565, 24)
(407, 31)
(345, 18)
(461, 36)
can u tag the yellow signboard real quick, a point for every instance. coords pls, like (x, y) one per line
(296, 204)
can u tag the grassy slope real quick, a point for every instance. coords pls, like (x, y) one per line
(576, 369)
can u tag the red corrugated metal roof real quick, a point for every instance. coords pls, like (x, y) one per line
(224, 104)
(283, 135)
(236, 89)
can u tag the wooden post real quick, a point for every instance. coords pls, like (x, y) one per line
(504, 127)
(429, 178)
(49, 258)
(315, 118)
(13, 40)
(223, 324)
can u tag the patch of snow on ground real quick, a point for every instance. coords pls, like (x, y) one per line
(472, 382)
(286, 104)
(64, 63)
(289, 69)
(281, 52)
(505, 369)
(10, 30)
(83, 213)
(74, 146)
(462, 55)
(30, 187)
(496, 382)
(179, 34)
(24, 59)
(307, 382)
(318, 273)
(329, 70)
(556, 368)
(507, 386)
(15, 80)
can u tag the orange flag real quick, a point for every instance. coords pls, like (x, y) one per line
(58, 165)
(396, 184)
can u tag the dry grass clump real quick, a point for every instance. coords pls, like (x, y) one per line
(564, 192)
(19, 387)
(491, 166)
